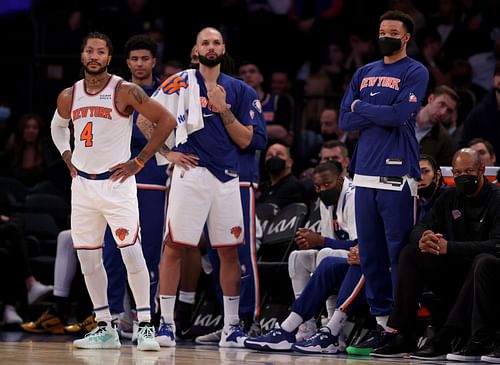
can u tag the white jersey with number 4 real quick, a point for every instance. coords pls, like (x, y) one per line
(102, 133)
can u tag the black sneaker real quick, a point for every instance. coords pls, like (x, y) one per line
(182, 317)
(493, 357)
(395, 346)
(375, 340)
(434, 349)
(473, 351)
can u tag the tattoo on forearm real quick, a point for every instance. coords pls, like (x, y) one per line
(146, 127)
(164, 150)
(139, 94)
(227, 117)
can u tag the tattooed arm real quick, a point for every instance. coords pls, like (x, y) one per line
(183, 160)
(128, 96)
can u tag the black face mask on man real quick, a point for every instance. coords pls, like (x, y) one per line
(388, 45)
(466, 184)
(275, 165)
(329, 197)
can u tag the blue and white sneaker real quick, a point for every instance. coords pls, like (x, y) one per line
(322, 342)
(166, 334)
(104, 336)
(277, 339)
(233, 336)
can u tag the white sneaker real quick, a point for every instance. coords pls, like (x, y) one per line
(306, 330)
(102, 337)
(146, 337)
(233, 336)
(10, 315)
(212, 338)
(38, 290)
(166, 334)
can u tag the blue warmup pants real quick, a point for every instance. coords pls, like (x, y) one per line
(384, 219)
(249, 285)
(152, 220)
(332, 274)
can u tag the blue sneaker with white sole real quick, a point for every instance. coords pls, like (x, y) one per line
(275, 340)
(322, 342)
(166, 334)
(233, 336)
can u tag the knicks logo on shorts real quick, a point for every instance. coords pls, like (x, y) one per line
(236, 231)
(174, 83)
(121, 233)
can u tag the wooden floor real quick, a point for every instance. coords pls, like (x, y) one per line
(19, 348)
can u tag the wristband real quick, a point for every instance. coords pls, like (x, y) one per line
(139, 163)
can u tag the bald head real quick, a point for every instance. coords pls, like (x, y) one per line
(467, 154)
(208, 32)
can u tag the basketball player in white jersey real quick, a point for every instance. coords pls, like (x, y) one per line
(104, 188)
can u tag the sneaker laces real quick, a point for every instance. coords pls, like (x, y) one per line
(146, 332)
(97, 332)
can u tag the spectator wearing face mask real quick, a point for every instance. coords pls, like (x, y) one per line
(283, 188)
(430, 185)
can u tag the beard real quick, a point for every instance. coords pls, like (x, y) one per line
(96, 72)
(210, 62)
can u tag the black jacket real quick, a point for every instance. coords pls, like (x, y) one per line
(470, 225)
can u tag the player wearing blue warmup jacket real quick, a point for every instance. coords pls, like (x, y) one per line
(140, 51)
(381, 102)
(249, 178)
(209, 191)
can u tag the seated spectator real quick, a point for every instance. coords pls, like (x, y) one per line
(276, 110)
(17, 282)
(169, 68)
(483, 64)
(284, 188)
(485, 150)
(29, 152)
(484, 120)
(430, 186)
(336, 151)
(432, 136)
(463, 223)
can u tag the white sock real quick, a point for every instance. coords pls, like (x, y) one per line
(231, 306)
(187, 296)
(167, 305)
(138, 279)
(382, 321)
(331, 305)
(292, 322)
(336, 323)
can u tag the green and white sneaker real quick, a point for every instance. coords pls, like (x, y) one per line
(102, 337)
(146, 338)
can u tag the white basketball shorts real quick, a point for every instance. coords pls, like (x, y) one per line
(197, 197)
(95, 203)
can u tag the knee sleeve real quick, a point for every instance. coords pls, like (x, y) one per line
(301, 261)
(133, 258)
(328, 252)
(90, 260)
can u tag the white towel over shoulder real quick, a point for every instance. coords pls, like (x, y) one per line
(180, 94)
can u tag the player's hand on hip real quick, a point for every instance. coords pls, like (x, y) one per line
(124, 170)
(217, 98)
(183, 160)
(66, 156)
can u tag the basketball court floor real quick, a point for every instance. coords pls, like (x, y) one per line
(20, 348)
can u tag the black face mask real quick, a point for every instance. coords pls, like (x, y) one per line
(428, 191)
(275, 165)
(329, 197)
(466, 184)
(329, 136)
(388, 45)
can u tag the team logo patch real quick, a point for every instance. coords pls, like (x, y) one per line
(455, 213)
(121, 233)
(236, 231)
(412, 98)
(257, 105)
(174, 83)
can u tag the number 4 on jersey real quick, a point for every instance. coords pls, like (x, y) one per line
(87, 135)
